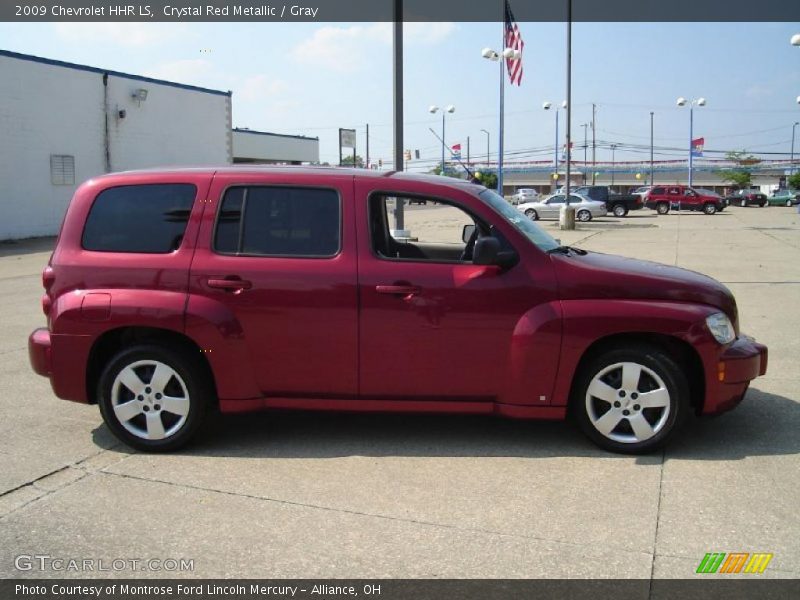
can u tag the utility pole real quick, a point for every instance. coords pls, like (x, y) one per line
(467, 150)
(398, 104)
(613, 162)
(585, 146)
(594, 139)
(367, 161)
(651, 149)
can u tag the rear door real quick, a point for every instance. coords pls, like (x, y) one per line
(276, 252)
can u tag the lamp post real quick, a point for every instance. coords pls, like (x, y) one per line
(585, 147)
(433, 109)
(492, 55)
(487, 146)
(692, 103)
(651, 148)
(613, 162)
(548, 106)
(791, 158)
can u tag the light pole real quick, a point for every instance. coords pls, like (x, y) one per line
(585, 147)
(791, 159)
(433, 109)
(651, 148)
(692, 103)
(548, 106)
(508, 54)
(613, 162)
(487, 147)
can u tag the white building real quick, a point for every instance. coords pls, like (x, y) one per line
(62, 123)
(250, 146)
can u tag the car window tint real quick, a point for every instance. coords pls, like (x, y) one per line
(139, 218)
(279, 221)
(657, 190)
(556, 200)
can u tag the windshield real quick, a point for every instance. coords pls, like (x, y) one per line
(520, 222)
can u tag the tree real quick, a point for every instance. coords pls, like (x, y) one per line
(794, 181)
(347, 161)
(741, 176)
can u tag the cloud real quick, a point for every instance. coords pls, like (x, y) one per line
(259, 88)
(193, 71)
(123, 34)
(346, 49)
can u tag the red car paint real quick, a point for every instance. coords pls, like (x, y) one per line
(319, 334)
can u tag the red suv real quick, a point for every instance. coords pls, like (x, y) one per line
(664, 198)
(172, 292)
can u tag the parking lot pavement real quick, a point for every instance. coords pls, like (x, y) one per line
(310, 495)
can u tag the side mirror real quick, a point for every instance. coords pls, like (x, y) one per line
(467, 232)
(485, 251)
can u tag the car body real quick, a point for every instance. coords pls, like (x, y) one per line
(784, 198)
(663, 198)
(170, 292)
(550, 207)
(641, 190)
(746, 198)
(617, 204)
(524, 195)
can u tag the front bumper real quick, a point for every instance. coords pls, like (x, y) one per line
(730, 374)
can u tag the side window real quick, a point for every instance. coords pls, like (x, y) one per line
(279, 221)
(139, 218)
(657, 191)
(674, 191)
(556, 200)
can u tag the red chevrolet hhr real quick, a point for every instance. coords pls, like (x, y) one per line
(174, 291)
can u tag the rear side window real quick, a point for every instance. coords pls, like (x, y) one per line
(657, 190)
(139, 218)
(279, 221)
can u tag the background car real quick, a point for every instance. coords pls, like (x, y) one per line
(746, 198)
(784, 198)
(663, 198)
(524, 195)
(585, 209)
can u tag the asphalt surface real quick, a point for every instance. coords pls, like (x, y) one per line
(315, 495)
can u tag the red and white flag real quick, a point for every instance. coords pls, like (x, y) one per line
(456, 149)
(514, 41)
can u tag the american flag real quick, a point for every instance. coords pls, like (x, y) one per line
(513, 40)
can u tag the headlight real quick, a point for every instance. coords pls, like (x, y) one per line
(721, 328)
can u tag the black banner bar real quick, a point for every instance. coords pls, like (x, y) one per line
(413, 10)
(399, 589)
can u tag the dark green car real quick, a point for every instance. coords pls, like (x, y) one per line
(784, 198)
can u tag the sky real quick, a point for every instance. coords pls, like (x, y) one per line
(312, 78)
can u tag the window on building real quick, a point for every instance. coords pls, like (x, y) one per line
(139, 218)
(62, 169)
(279, 221)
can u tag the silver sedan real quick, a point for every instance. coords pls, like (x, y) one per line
(585, 209)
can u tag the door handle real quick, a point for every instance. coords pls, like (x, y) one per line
(398, 290)
(230, 285)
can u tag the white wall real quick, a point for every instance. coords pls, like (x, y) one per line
(258, 146)
(48, 109)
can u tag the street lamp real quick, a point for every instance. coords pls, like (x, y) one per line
(613, 162)
(692, 103)
(492, 55)
(795, 41)
(487, 146)
(791, 159)
(433, 109)
(548, 106)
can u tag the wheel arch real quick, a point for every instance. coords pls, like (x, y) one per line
(112, 341)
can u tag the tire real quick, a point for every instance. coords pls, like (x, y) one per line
(765, 204)
(602, 396)
(662, 208)
(154, 416)
(619, 210)
(789, 203)
(531, 214)
(710, 209)
(743, 203)
(584, 216)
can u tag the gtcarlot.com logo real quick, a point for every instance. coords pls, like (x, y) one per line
(45, 562)
(734, 562)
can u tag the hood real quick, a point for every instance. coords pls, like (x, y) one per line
(596, 275)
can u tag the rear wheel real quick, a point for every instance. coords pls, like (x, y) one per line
(154, 398)
(619, 210)
(631, 399)
(584, 216)
(531, 214)
(789, 203)
(710, 209)
(765, 204)
(662, 208)
(743, 203)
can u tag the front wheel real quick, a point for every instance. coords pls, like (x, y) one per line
(789, 203)
(631, 399)
(765, 204)
(710, 209)
(584, 216)
(743, 203)
(154, 398)
(662, 208)
(619, 210)
(531, 214)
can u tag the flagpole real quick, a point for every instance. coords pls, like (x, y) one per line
(502, 115)
(566, 219)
